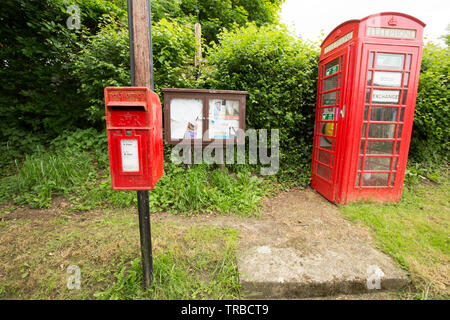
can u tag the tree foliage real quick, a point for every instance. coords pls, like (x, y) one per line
(38, 96)
(104, 61)
(217, 15)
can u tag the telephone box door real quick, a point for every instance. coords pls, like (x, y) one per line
(329, 123)
(386, 110)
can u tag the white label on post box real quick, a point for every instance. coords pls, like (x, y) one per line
(387, 79)
(130, 155)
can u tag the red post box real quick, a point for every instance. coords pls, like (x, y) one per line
(368, 77)
(134, 126)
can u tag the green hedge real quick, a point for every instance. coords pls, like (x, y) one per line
(280, 73)
(431, 130)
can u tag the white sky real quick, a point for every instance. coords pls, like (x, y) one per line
(310, 18)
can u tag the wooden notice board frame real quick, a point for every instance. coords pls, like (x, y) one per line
(204, 95)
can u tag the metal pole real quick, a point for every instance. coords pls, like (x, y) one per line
(146, 236)
(143, 200)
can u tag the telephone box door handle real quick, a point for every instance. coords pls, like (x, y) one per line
(342, 112)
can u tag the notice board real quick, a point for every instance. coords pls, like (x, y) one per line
(204, 116)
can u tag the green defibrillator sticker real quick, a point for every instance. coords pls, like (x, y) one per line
(331, 70)
(328, 116)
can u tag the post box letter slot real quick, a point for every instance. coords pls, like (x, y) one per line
(128, 116)
(131, 108)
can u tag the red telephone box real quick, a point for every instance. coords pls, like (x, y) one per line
(368, 77)
(134, 126)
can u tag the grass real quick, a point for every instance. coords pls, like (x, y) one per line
(82, 175)
(42, 175)
(200, 265)
(190, 262)
(200, 189)
(415, 232)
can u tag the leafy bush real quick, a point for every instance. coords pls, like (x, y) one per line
(33, 81)
(200, 190)
(173, 54)
(417, 172)
(431, 131)
(19, 143)
(280, 73)
(84, 140)
(68, 166)
(105, 61)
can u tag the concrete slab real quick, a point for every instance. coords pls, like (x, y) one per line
(287, 273)
(310, 250)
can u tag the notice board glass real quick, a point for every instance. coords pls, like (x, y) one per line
(186, 118)
(205, 116)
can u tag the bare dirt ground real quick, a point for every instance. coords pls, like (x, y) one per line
(279, 221)
(285, 220)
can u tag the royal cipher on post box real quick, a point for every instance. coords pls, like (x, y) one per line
(134, 127)
(368, 77)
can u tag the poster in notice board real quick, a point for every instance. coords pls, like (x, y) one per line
(186, 118)
(223, 118)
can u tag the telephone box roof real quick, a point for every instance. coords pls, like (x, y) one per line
(356, 21)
